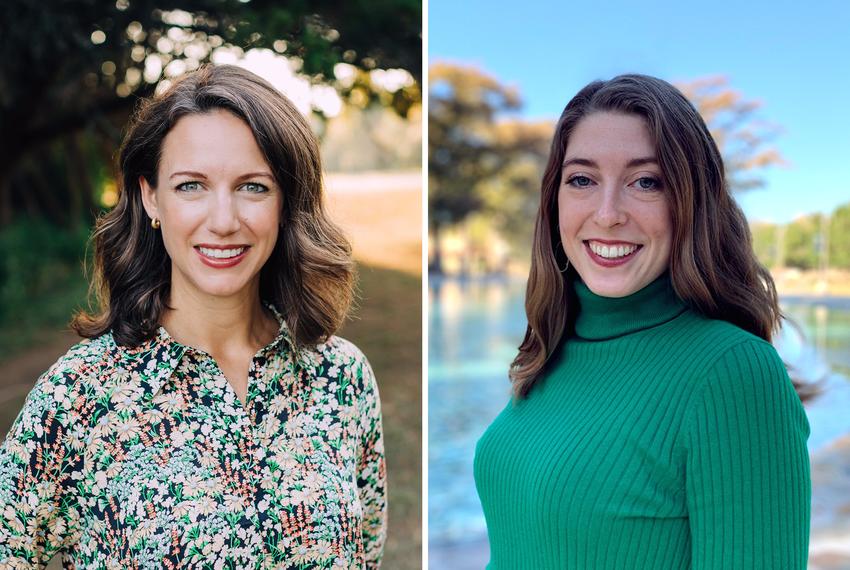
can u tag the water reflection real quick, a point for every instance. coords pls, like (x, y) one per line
(475, 327)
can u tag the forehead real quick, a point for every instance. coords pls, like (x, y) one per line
(606, 136)
(213, 142)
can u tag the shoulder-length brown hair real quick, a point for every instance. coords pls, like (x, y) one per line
(309, 276)
(712, 264)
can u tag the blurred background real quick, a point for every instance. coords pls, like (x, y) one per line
(71, 73)
(769, 78)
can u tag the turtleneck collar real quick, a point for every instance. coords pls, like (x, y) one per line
(601, 318)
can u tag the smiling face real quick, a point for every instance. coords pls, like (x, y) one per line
(218, 204)
(613, 210)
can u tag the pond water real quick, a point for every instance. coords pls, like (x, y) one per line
(474, 330)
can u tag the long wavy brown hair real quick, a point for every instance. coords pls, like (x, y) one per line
(712, 264)
(310, 274)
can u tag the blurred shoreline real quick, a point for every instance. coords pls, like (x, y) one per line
(830, 287)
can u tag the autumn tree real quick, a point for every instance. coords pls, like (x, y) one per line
(744, 139)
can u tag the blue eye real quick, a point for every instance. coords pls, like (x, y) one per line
(255, 188)
(648, 183)
(189, 186)
(580, 181)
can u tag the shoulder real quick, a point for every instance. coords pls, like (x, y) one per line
(58, 394)
(716, 336)
(728, 358)
(340, 358)
(747, 377)
(82, 361)
(729, 350)
(81, 368)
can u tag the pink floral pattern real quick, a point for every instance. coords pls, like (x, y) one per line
(144, 457)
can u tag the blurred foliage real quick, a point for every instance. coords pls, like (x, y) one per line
(72, 71)
(816, 241)
(484, 160)
(767, 243)
(464, 148)
(37, 260)
(800, 247)
(80, 65)
(839, 237)
(509, 199)
(41, 277)
(744, 140)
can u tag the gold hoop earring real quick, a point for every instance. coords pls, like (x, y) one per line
(155, 223)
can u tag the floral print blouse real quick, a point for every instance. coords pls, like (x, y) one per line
(145, 457)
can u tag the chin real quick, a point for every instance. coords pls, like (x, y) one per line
(223, 290)
(612, 287)
(613, 292)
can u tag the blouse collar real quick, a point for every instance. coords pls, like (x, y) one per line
(601, 318)
(154, 360)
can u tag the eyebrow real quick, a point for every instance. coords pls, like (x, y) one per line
(592, 164)
(196, 174)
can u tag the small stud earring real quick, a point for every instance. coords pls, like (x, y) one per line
(155, 223)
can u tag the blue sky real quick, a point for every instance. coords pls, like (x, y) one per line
(791, 56)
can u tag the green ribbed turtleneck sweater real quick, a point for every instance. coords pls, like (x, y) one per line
(657, 440)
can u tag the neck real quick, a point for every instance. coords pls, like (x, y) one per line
(218, 325)
(601, 318)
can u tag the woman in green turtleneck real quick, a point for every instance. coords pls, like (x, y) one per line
(653, 426)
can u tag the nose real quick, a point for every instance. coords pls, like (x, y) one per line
(223, 214)
(610, 210)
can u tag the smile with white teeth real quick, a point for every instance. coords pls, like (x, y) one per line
(221, 253)
(612, 251)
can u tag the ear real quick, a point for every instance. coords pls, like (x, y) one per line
(149, 198)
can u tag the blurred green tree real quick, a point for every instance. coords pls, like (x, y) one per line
(765, 243)
(78, 66)
(801, 242)
(464, 150)
(839, 237)
(510, 200)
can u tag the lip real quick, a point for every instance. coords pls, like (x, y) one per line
(605, 262)
(611, 242)
(221, 263)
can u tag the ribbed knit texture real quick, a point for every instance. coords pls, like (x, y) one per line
(657, 440)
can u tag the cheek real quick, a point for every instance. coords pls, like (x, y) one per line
(178, 224)
(569, 218)
(658, 224)
(265, 223)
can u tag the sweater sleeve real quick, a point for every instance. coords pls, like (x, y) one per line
(747, 471)
(40, 463)
(371, 471)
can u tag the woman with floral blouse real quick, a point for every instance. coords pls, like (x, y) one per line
(210, 419)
